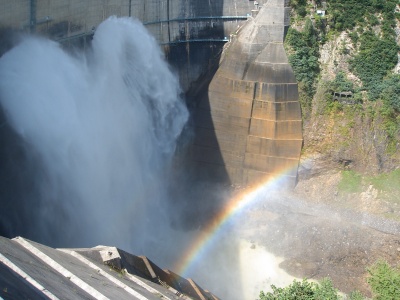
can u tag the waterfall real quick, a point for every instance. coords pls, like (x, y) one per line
(100, 128)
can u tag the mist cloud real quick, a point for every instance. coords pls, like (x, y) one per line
(100, 129)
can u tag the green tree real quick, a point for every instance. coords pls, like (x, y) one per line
(341, 84)
(346, 14)
(391, 91)
(304, 57)
(300, 7)
(377, 56)
(384, 281)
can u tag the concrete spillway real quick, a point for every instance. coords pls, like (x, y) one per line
(249, 121)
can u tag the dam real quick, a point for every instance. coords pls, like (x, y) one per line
(207, 24)
(252, 101)
(106, 144)
(246, 115)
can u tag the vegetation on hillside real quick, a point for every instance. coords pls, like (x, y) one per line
(376, 58)
(352, 182)
(370, 25)
(384, 282)
(361, 34)
(385, 186)
(304, 59)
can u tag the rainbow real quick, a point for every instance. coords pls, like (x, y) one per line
(206, 238)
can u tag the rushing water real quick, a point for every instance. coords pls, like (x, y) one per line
(100, 128)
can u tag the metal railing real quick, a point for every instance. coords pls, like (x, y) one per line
(193, 19)
(224, 40)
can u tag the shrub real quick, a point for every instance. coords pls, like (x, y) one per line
(346, 14)
(341, 84)
(304, 57)
(376, 58)
(384, 281)
(354, 37)
(391, 91)
(390, 110)
(302, 12)
(303, 290)
(300, 7)
(356, 295)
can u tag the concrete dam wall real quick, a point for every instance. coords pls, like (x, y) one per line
(168, 20)
(247, 120)
(191, 32)
(252, 107)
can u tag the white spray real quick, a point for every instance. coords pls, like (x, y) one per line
(104, 125)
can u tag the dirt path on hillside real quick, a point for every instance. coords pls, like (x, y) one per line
(319, 240)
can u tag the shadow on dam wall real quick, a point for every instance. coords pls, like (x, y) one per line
(246, 118)
(200, 172)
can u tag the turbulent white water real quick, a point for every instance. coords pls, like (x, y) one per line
(104, 125)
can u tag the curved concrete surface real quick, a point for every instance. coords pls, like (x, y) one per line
(252, 102)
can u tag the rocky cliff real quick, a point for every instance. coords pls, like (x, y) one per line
(351, 154)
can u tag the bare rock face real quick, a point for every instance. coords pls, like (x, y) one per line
(252, 106)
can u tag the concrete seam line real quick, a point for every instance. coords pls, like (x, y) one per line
(60, 269)
(196, 288)
(25, 276)
(105, 274)
(144, 285)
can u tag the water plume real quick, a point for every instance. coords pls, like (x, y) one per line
(98, 130)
